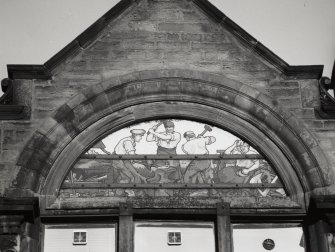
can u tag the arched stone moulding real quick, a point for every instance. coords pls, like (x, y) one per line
(182, 110)
(125, 100)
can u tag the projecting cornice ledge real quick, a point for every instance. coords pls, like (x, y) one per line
(42, 72)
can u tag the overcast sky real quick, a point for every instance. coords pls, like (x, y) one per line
(302, 32)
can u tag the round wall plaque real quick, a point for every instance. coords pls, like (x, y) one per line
(268, 244)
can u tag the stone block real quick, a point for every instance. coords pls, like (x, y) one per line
(66, 117)
(313, 124)
(283, 84)
(190, 87)
(310, 94)
(290, 103)
(152, 87)
(82, 113)
(187, 56)
(130, 77)
(10, 154)
(9, 137)
(308, 138)
(103, 45)
(41, 113)
(115, 95)
(327, 144)
(226, 96)
(285, 92)
(191, 37)
(169, 15)
(272, 122)
(100, 55)
(209, 91)
(217, 38)
(193, 16)
(244, 103)
(23, 96)
(136, 54)
(48, 103)
(140, 44)
(267, 100)
(303, 113)
(185, 27)
(207, 46)
(155, 54)
(173, 46)
(146, 26)
(249, 91)
(326, 169)
(134, 91)
(329, 124)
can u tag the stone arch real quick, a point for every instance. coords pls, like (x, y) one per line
(121, 101)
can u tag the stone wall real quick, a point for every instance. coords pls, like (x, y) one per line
(153, 35)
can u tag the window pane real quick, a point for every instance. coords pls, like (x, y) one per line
(267, 238)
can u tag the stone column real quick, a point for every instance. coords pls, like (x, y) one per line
(9, 232)
(126, 229)
(316, 237)
(223, 226)
(30, 237)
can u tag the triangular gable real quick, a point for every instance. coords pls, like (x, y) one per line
(89, 36)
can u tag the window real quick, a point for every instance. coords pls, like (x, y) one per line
(79, 237)
(174, 237)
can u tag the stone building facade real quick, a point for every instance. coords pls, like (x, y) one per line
(156, 59)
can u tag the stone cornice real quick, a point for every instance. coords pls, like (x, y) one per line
(26, 207)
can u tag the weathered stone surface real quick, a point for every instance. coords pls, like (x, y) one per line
(204, 63)
(310, 94)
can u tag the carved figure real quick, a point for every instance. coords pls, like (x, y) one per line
(195, 170)
(167, 142)
(264, 175)
(247, 165)
(129, 170)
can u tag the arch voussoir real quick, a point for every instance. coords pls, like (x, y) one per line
(134, 97)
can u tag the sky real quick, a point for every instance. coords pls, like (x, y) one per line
(301, 31)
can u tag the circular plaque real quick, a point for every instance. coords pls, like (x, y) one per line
(268, 244)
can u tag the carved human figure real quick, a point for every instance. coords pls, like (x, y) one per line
(247, 165)
(264, 175)
(255, 171)
(195, 170)
(129, 170)
(167, 142)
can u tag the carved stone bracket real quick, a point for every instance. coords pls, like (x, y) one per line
(9, 111)
(9, 243)
(19, 226)
(327, 100)
(323, 208)
(26, 209)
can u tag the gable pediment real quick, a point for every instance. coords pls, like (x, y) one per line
(159, 34)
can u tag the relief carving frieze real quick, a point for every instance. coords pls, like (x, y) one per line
(172, 158)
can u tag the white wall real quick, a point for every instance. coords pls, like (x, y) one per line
(60, 239)
(195, 237)
(251, 239)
